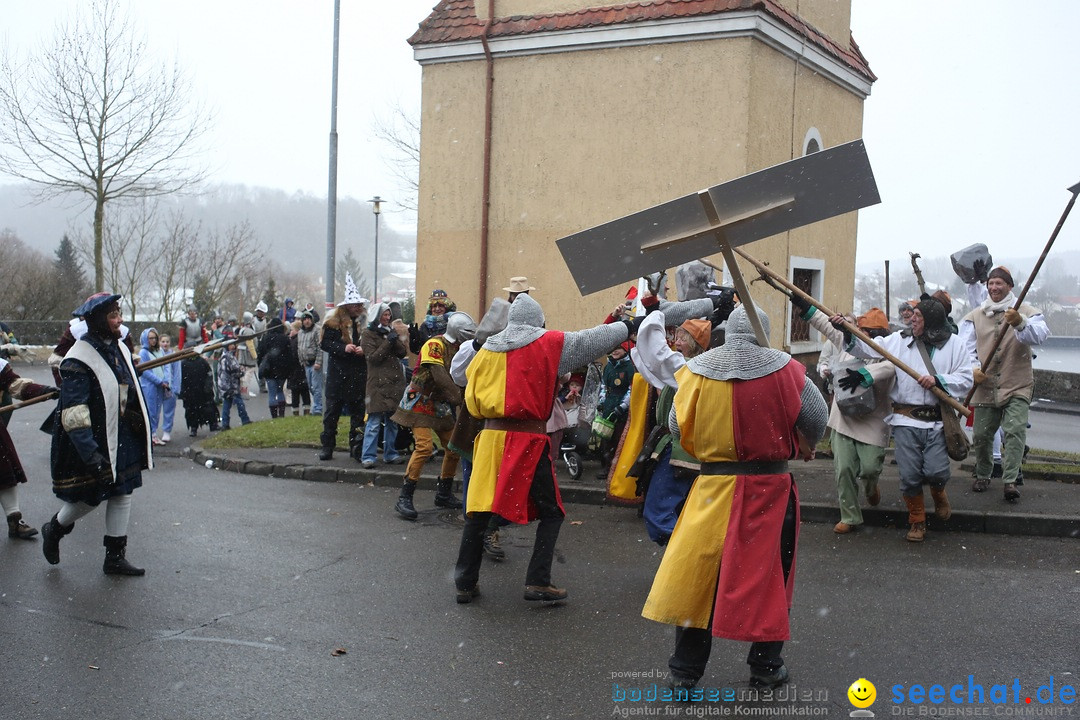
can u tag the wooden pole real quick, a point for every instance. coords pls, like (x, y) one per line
(733, 269)
(35, 401)
(857, 332)
(192, 352)
(918, 273)
(1027, 285)
(888, 302)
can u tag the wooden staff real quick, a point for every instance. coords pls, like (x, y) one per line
(192, 352)
(857, 332)
(1027, 286)
(918, 273)
(35, 401)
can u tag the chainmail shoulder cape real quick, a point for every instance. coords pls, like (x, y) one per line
(740, 357)
(524, 325)
(676, 313)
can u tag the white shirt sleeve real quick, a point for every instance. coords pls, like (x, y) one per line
(1033, 331)
(653, 359)
(464, 355)
(977, 294)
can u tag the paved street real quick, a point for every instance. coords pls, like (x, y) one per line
(253, 582)
(1054, 431)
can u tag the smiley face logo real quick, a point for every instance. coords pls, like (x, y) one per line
(862, 693)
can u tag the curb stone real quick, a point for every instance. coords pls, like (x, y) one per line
(571, 492)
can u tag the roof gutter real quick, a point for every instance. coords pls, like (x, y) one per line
(485, 208)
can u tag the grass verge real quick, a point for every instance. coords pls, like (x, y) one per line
(280, 432)
(1071, 456)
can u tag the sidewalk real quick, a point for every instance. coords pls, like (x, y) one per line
(1046, 508)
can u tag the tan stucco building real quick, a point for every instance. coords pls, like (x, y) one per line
(591, 114)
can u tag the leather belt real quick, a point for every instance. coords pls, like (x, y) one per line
(750, 467)
(538, 427)
(926, 413)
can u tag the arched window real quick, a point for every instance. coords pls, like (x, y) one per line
(812, 142)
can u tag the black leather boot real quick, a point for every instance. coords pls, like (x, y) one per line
(19, 529)
(443, 496)
(51, 532)
(404, 505)
(115, 562)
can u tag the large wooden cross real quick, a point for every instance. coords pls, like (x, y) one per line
(806, 190)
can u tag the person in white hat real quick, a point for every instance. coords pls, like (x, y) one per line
(258, 324)
(346, 371)
(519, 285)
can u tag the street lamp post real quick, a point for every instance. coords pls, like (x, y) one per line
(376, 207)
(331, 190)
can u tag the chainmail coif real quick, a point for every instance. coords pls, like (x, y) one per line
(740, 357)
(936, 331)
(525, 324)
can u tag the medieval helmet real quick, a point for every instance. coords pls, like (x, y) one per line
(460, 327)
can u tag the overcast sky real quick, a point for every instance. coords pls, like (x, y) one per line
(970, 128)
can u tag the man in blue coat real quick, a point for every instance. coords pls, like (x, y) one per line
(102, 443)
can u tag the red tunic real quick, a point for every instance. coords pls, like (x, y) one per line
(11, 470)
(727, 540)
(518, 385)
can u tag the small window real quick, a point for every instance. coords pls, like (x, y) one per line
(807, 274)
(803, 279)
(812, 142)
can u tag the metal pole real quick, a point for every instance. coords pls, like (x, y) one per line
(888, 312)
(331, 191)
(376, 207)
(375, 282)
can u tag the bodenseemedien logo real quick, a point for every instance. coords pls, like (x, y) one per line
(862, 694)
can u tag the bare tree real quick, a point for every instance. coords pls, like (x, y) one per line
(401, 132)
(93, 114)
(177, 246)
(222, 260)
(129, 247)
(30, 286)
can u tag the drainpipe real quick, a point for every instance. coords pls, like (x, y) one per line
(485, 208)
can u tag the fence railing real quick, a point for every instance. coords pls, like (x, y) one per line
(48, 332)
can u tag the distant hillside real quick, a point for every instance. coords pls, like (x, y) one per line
(292, 227)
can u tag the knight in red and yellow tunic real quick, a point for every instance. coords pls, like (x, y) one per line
(511, 386)
(743, 411)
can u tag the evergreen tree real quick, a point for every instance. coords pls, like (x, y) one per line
(71, 281)
(270, 297)
(408, 310)
(352, 265)
(202, 298)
